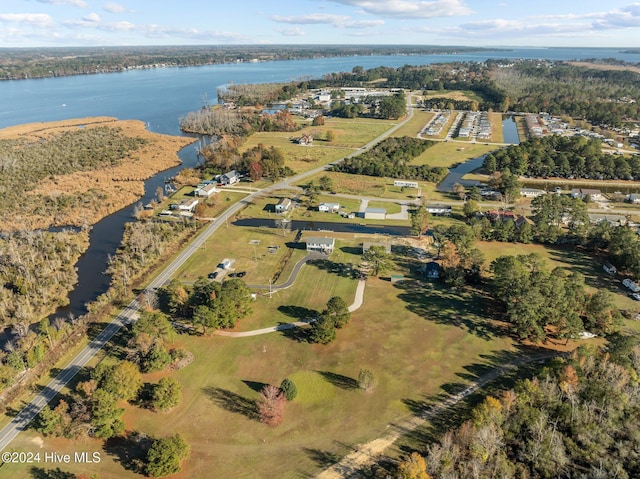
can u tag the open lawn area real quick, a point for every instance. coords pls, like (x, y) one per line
(234, 242)
(415, 124)
(349, 134)
(418, 339)
(451, 152)
(374, 186)
(453, 94)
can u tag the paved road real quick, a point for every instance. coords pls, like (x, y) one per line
(294, 274)
(369, 452)
(31, 410)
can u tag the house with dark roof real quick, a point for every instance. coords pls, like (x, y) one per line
(230, 178)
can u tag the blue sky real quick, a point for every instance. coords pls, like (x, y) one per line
(588, 23)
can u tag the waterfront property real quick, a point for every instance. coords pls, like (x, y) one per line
(320, 244)
(375, 214)
(230, 178)
(283, 205)
(329, 207)
(205, 190)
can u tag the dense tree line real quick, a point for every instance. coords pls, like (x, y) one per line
(19, 63)
(220, 121)
(392, 158)
(578, 419)
(36, 273)
(564, 157)
(444, 103)
(539, 303)
(207, 304)
(598, 95)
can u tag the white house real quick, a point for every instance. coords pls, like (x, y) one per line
(582, 193)
(283, 205)
(531, 192)
(321, 244)
(205, 190)
(375, 214)
(230, 178)
(444, 210)
(329, 207)
(405, 184)
(186, 205)
(633, 198)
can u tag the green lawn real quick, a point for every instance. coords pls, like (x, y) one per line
(415, 124)
(449, 153)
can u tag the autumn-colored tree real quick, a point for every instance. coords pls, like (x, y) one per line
(255, 171)
(271, 405)
(413, 467)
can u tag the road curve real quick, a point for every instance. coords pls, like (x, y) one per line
(130, 312)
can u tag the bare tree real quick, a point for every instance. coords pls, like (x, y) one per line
(271, 405)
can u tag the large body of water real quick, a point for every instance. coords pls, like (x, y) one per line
(159, 97)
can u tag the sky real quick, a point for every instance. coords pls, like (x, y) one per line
(524, 23)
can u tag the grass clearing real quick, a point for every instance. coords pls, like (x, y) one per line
(415, 124)
(449, 153)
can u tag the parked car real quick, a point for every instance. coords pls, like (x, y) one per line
(631, 285)
(213, 275)
(609, 268)
(636, 296)
(240, 274)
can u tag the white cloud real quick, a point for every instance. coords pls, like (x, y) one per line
(39, 20)
(75, 3)
(362, 24)
(291, 32)
(92, 18)
(116, 8)
(408, 9)
(312, 18)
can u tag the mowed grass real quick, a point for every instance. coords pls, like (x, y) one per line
(349, 134)
(417, 339)
(415, 124)
(453, 94)
(449, 153)
(233, 242)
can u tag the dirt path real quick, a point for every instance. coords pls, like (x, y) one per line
(369, 452)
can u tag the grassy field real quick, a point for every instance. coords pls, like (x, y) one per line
(449, 153)
(454, 95)
(418, 339)
(350, 134)
(497, 134)
(415, 125)
(376, 187)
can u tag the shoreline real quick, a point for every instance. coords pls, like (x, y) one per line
(119, 186)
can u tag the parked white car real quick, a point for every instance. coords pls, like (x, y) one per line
(631, 285)
(609, 268)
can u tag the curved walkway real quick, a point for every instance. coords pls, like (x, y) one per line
(357, 302)
(294, 274)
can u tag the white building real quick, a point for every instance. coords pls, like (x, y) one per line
(321, 244)
(329, 207)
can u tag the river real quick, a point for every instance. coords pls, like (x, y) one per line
(159, 97)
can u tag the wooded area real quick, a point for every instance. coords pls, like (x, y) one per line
(392, 158)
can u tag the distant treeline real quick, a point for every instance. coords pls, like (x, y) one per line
(21, 63)
(564, 157)
(392, 158)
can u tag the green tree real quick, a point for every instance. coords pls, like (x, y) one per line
(165, 455)
(157, 359)
(106, 416)
(166, 394)
(419, 221)
(323, 330)
(155, 324)
(289, 389)
(205, 317)
(123, 379)
(377, 260)
(470, 208)
(326, 183)
(338, 310)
